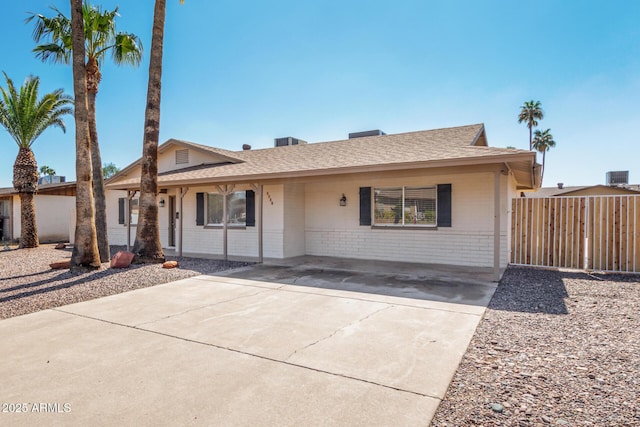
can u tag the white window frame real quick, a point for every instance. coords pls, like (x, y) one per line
(229, 224)
(403, 222)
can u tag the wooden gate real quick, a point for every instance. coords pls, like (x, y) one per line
(587, 232)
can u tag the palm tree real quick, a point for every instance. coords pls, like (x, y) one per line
(147, 247)
(47, 171)
(85, 249)
(25, 117)
(542, 142)
(530, 113)
(100, 38)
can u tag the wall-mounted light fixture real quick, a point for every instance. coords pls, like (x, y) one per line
(343, 200)
(161, 203)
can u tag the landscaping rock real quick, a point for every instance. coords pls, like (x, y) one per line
(122, 259)
(170, 264)
(60, 246)
(60, 265)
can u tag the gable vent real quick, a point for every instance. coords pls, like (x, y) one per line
(283, 142)
(376, 132)
(182, 157)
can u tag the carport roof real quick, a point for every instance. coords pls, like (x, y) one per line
(456, 146)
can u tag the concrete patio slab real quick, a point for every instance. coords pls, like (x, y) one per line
(264, 345)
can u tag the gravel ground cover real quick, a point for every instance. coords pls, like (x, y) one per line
(27, 284)
(554, 348)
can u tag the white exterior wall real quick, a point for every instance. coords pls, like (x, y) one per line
(117, 233)
(332, 230)
(307, 219)
(53, 216)
(294, 220)
(167, 161)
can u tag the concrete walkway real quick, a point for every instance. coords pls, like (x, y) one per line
(265, 345)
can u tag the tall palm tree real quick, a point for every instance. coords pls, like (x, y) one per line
(85, 249)
(542, 142)
(100, 38)
(530, 113)
(147, 247)
(25, 117)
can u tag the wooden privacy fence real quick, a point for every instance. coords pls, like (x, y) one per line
(587, 232)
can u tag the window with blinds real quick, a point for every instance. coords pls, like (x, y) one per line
(405, 206)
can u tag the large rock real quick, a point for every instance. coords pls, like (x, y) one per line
(122, 259)
(60, 265)
(170, 264)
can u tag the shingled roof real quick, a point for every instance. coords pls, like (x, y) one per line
(457, 146)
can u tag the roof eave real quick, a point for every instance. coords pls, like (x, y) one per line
(469, 161)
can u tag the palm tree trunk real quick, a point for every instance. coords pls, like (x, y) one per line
(85, 250)
(29, 230)
(530, 137)
(25, 182)
(147, 247)
(544, 154)
(98, 180)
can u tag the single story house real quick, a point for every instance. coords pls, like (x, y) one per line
(437, 196)
(54, 204)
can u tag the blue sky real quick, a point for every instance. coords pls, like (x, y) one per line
(247, 72)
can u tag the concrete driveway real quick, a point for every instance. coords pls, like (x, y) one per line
(315, 342)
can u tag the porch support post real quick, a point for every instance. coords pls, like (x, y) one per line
(183, 192)
(130, 195)
(258, 189)
(496, 225)
(225, 190)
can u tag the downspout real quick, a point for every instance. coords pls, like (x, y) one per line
(496, 225)
(180, 218)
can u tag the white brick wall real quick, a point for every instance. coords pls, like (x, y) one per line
(308, 219)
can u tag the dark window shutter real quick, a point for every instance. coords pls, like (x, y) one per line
(251, 208)
(121, 205)
(444, 205)
(199, 208)
(365, 205)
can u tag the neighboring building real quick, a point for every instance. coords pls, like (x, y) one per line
(426, 197)
(586, 190)
(54, 204)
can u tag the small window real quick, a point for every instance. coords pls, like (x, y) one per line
(405, 206)
(236, 209)
(135, 210)
(182, 157)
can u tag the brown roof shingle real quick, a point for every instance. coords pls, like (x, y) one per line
(351, 155)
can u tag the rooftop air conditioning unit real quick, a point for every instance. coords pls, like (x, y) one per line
(376, 132)
(617, 177)
(283, 142)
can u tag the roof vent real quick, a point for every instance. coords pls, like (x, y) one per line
(617, 177)
(288, 140)
(560, 185)
(246, 147)
(376, 132)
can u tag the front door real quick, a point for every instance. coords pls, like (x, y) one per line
(172, 220)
